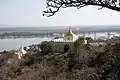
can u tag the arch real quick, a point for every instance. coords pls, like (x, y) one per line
(66, 48)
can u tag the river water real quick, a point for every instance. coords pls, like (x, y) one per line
(14, 44)
(11, 44)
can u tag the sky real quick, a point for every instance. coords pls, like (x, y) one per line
(29, 12)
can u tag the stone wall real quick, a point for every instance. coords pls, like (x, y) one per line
(59, 46)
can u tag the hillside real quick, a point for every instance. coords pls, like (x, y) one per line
(87, 64)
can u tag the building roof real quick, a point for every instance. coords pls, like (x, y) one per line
(70, 33)
(64, 37)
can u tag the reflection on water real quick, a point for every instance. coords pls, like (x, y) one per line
(9, 44)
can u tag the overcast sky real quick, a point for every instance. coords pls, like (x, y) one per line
(29, 12)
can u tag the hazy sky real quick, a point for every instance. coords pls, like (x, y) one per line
(29, 12)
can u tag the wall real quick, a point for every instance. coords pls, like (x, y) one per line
(59, 46)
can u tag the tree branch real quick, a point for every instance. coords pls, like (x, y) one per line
(53, 6)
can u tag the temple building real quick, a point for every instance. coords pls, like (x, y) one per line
(67, 37)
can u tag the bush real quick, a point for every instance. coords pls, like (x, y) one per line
(47, 47)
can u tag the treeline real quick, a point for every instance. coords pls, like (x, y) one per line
(24, 35)
(84, 64)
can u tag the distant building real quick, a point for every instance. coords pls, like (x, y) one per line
(68, 37)
(65, 39)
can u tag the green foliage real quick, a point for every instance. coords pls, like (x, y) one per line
(116, 48)
(111, 67)
(89, 39)
(47, 47)
(78, 44)
(85, 65)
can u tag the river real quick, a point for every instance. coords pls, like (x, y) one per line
(14, 44)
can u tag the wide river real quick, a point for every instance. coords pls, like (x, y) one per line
(10, 44)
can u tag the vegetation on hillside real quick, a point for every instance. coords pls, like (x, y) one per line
(86, 64)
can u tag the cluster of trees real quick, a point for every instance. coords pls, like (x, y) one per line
(47, 47)
(24, 35)
(47, 65)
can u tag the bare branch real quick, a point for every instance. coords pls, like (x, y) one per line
(53, 6)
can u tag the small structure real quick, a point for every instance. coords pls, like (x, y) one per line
(21, 52)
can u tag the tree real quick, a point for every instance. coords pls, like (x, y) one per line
(111, 59)
(78, 44)
(89, 39)
(54, 6)
(46, 47)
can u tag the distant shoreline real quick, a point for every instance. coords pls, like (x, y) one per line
(14, 37)
(43, 30)
(21, 37)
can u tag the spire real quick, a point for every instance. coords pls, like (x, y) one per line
(70, 30)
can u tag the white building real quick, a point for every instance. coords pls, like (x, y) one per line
(67, 37)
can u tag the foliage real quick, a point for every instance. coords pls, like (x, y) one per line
(78, 44)
(112, 66)
(85, 65)
(89, 39)
(47, 47)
